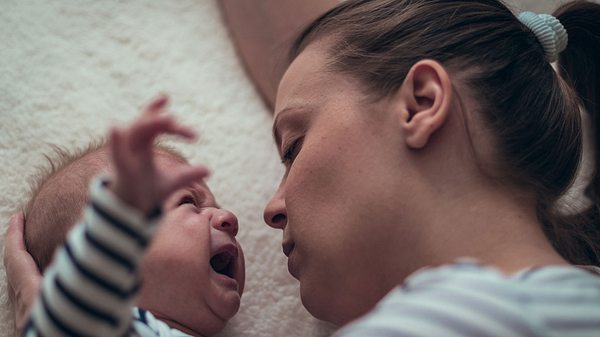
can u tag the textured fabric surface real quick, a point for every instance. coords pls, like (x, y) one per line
(69, 69)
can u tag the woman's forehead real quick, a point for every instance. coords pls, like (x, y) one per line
(304, 79)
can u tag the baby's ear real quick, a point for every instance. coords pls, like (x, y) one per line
(423, 102)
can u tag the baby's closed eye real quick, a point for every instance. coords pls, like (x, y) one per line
(187, 199)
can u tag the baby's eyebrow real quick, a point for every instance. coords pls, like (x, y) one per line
(205, 192)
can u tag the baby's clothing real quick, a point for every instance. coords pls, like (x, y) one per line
(90, 288)
(469, 299)
(146, 325)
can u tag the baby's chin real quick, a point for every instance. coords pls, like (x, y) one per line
(231, 308)
(207, 321)
(199, 327)
(224, 297)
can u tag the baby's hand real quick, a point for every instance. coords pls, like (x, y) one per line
(137, 181)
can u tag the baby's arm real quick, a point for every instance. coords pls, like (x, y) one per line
(137, 181)
(90, 288)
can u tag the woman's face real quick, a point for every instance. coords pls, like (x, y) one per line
(338, 202)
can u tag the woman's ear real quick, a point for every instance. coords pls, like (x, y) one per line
(424, 102)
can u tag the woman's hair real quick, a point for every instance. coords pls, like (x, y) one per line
(532, 111)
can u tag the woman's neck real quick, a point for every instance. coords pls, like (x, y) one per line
(492, 225)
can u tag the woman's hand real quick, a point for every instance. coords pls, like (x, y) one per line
(137, 181)
(23, 276)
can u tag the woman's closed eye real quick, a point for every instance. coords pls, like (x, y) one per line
(290, 152)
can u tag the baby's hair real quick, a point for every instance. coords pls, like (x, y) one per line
(58, 159)
(532, 113)
(48, 217)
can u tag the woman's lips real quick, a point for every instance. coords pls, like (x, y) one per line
(288, 250)
(287, 247)
(293, 266)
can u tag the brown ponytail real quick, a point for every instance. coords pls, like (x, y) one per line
(530, 110)
(578, 237)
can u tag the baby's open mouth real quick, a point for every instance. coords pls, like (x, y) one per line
(223, 262)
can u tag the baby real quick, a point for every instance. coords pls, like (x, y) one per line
(188, 274)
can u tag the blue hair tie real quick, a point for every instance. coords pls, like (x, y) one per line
(549, 31)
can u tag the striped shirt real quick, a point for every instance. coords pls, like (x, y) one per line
(469, 299)
(90, 288)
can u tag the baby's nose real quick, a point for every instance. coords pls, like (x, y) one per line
(224, 220)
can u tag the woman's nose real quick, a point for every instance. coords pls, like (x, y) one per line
(224, 220)
(275, 213)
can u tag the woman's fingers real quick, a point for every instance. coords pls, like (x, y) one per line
(14, 234)
(23, 276)
(16, 256)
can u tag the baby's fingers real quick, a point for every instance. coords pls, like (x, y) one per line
(119, 150)
(156, 106)
(144, 132)
(182, 177)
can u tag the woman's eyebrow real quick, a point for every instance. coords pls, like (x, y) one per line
(284, 115)
(277, 122)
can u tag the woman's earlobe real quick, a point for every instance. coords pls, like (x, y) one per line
(426, 95)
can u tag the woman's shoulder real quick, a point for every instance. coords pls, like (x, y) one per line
(467, 298)
(470, 271)
(527, 287)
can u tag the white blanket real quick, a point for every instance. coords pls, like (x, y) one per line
(69, 69)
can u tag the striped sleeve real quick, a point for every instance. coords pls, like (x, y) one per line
(90, 287)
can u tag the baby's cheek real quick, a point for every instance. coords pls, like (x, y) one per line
(188, 228)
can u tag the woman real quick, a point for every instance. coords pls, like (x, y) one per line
(416, 133)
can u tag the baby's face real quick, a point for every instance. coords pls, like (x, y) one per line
(193, 273)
